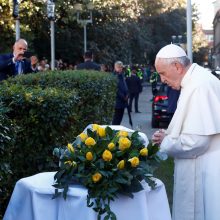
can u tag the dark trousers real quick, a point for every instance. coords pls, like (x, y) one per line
(154, 88)
(118, 115)
(134, 96)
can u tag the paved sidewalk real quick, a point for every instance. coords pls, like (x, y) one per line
(142, 121)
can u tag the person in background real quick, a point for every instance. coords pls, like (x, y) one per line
(60, 65)
(154, 78)
(88, 64)
(173, 96)
(139, 72)
(34, 64)
(127, 71)
(122, 94)
(43, 65)
(193, 135)
(148, 72)
(70, 66)
(104, 68)
(15, 63)
(134, 88)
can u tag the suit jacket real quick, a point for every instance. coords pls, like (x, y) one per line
(173, 96)
(122, 92)
(134, 84)
(88, 65)
(7, 67)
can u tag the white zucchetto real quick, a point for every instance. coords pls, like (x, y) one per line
(171, 51)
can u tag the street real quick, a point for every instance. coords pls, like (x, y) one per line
(142, 121)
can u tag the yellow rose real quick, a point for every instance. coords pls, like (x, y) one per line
(123, 133)
(90, 142)
(111, 146)
(74, 164)
(71, 163)
(95, 127)
(124, 143)
(121, 165)
(134, 161)
(107, 155)
(28, 96)
(144, 152)
(40, 99)
(70, 148)
(89, 156)
(68, 162)
(96, 177)
(101, 132)
(83, 136)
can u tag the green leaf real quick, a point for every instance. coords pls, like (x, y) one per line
(89, 203)
(135, 135)
(82, 158)
(134, 153)
(81, 167)
(135, 186)
(65, 191)
(91, 133)
(58, 175)
(57, 194)
(107, 217)
(109, 131)
(121, 180)
(152, 149)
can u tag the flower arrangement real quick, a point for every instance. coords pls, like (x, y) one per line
(107, 162)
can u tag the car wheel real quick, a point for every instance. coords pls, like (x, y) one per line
(154, 123)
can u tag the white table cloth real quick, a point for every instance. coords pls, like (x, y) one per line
(32, 200)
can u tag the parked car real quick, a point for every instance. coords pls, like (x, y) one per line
(159, 107)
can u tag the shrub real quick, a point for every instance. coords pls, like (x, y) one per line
(49, 109)
(7, 132)
(96, 91)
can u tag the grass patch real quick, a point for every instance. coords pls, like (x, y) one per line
(165, 174)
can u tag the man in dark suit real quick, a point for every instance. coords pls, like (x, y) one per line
(134, 88)
(15, 63)
(122, 94)
(173, 96)
(88, 64)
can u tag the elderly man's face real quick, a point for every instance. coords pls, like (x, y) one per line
(118, 68)
(20, 47)
(171, 74)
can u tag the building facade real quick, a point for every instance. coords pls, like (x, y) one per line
(216, 43)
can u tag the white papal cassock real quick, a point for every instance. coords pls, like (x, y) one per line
(194, 141)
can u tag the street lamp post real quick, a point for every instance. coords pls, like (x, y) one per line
(16, 17)
(51, 17)
(79, 8)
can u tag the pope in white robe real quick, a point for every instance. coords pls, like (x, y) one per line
(193, 136)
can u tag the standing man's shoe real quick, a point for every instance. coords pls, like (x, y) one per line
(137, 112)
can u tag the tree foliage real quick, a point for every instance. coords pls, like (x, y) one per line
(6, 26)
(129, 30)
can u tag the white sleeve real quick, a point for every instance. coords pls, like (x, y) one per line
(186, 145)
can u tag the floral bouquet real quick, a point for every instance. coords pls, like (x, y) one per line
(107, 162)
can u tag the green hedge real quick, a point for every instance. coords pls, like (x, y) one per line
(7, 138)
(49, 109)
(96, 91)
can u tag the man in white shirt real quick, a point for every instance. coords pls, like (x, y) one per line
(193, 136)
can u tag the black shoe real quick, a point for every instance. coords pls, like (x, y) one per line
(137, 112)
